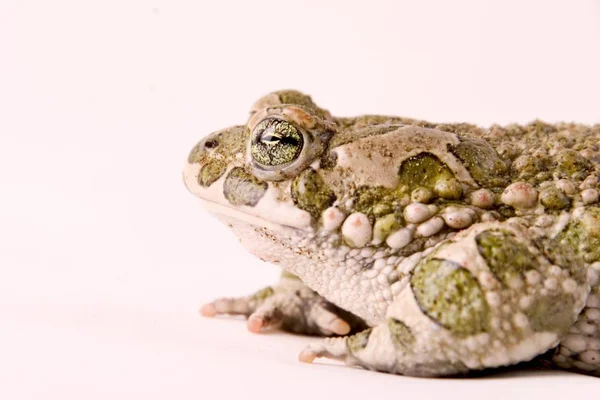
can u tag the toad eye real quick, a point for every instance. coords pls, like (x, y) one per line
(276, 143)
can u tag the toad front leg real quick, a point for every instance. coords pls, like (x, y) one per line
(493, 295)
(291, 306)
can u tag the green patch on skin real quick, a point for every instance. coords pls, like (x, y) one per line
(591, 221)
(525, 166)
(572, 164)
(359, 341)
(543, 176)
(563, 256)
(551, 313)
(424, 170)
(505, 257)
(195, 155)
(224, 145)
(532, 169)
(263, 294)
(422, 195)
(328, 160)
(583, 235)
(311, 193)
(449, 189)
(376, 200)
(482, 161)
(506, 211)
(387, 224)
(211, 172)
(401, 333)
(554, 198)
(242, 189)
(450, 295)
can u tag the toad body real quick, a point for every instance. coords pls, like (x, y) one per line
(419, 248)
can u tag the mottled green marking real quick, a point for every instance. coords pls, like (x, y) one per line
(482, 161)
(591, 221)
(552, 313)
(195, 154)
(376, 200)
(505, 257)
(424, 170)
(210, 172)
(276, 142)
(590, 224)
(359, 341)
(224, 145)
(311, 193)
(506, 211)
(422, 195)
(525, 166)
(564, 256)
(554, 198)
(584, 235)
(387, 224)
(243, 189)
(450, 295)
(449, 189)
(329, 160)
(533, 169)
(572, 164)
(401, 333)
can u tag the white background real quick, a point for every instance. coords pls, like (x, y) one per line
(105, 257)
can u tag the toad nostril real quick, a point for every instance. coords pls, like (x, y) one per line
(211, 144)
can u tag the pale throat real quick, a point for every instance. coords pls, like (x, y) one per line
(351, 278)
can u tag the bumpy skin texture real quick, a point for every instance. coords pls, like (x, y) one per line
(462, 248)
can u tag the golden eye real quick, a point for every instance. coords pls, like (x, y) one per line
(276, 142)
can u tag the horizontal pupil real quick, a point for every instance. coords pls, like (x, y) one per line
(272, 139)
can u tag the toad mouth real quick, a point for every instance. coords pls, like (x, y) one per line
(219, 209)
